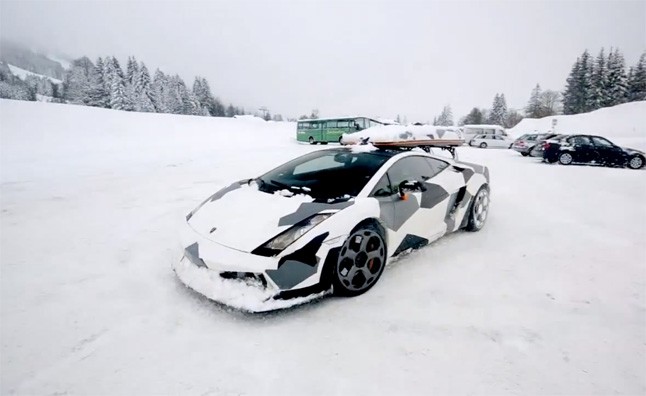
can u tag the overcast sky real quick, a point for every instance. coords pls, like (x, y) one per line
(342, 57)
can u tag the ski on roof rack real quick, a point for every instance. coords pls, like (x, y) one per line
(426, 144)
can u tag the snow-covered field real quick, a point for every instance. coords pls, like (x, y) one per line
(549, 298)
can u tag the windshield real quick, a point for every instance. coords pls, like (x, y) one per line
(325, 175)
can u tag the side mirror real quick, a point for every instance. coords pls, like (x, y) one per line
(409, 185)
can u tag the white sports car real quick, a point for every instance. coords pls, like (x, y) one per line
(327, 221)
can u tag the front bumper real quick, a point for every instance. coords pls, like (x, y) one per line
(243, 280)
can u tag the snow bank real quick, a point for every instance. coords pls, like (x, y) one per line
(22, 73)
(627, 120)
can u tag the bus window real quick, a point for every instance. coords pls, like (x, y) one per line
(344, 124)
(360, 123)
(331, 124)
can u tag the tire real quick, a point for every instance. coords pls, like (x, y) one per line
(565, 159)
(483, 145)
(311, 140)
(361, 261)
(341, 140)
(479, 210)
(524, 154)
(636, 162)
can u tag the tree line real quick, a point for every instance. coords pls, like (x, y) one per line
(591, 85)
(603, 82)
(104, 83)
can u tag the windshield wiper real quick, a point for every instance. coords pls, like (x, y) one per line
(295, 189)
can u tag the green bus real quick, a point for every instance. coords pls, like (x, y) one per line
(324, 130)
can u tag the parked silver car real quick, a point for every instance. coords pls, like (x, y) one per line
(526, 143)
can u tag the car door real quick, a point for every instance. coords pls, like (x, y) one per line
(420, 214)
(582, 148)
(607, 152)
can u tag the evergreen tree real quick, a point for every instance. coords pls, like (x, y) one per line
(202, 92)
(118, 100)
(160, 90)
(571, 92)
(231, 111)
(144, 94)
(617, 79)
(599, 82)
(132, 70)
(637, 81)
(533, 109)
(445, 118)
(578, 96)
(97, 95)
(498, 110)
(76, 82)
(475, 117)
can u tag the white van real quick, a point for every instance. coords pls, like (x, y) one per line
(471, 131)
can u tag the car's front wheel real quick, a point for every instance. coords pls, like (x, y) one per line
(483, 145)
(362, 260)
(636, 162)
(565, 158)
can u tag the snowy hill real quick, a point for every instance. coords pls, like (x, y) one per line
(546, 299)
(627, 120)
(22, 73)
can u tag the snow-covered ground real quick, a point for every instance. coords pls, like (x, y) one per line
(549, 298)
(22, 73)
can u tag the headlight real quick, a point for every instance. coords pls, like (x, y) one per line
(290, 236)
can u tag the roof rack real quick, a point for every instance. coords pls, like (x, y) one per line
(426, 145)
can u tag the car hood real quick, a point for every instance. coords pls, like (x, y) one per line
(632, 151)
(243, 218)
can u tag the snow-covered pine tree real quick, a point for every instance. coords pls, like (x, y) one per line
(578, 96)
(144, 94)
(498, 110)
(118, 100)
(97, 95)
(585, 83)
(571, 92)
(76, 82)
(132, 71)
(637, 80)
(533, 109)
(445, 118)
(599, 81)
(617, 79)
(160, 87)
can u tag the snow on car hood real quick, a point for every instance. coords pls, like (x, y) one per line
(244, 218)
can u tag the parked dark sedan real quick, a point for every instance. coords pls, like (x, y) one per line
(569, 149)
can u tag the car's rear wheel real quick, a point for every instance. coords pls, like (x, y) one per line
(483, 145)
(362, 260)
(311, 140)
(636, 162)
(479, 210)
(565, 158)
(524, 153)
